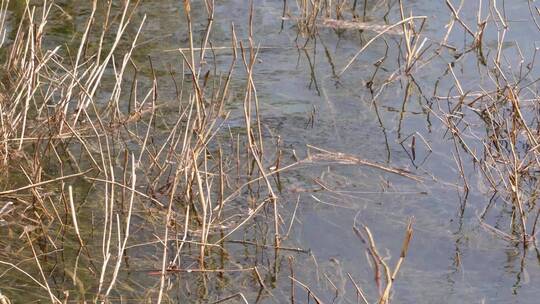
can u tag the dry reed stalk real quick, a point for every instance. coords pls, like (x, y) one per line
(357, 25)
(256, 149)
(74, 216)
(4, 4)
(359, 291)
(380, 264)
(107, 230)
(166, 237)
(122, 243)
(4, 299)
(53, 298)
(226, 299)
(39, 184)
(310, 293)
(367, 44)
(342, 158)
(32, 278)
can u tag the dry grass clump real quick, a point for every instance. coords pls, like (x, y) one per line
(495, 124)
(92, 170)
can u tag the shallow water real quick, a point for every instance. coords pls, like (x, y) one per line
(452, 258)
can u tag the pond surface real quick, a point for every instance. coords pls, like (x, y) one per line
(452, 258)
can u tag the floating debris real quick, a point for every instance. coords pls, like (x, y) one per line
(358, 25)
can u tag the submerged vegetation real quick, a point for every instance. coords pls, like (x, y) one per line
(137, 172)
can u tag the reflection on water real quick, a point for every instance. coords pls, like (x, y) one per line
(307, 100)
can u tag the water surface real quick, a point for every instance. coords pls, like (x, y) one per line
(452, 258)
